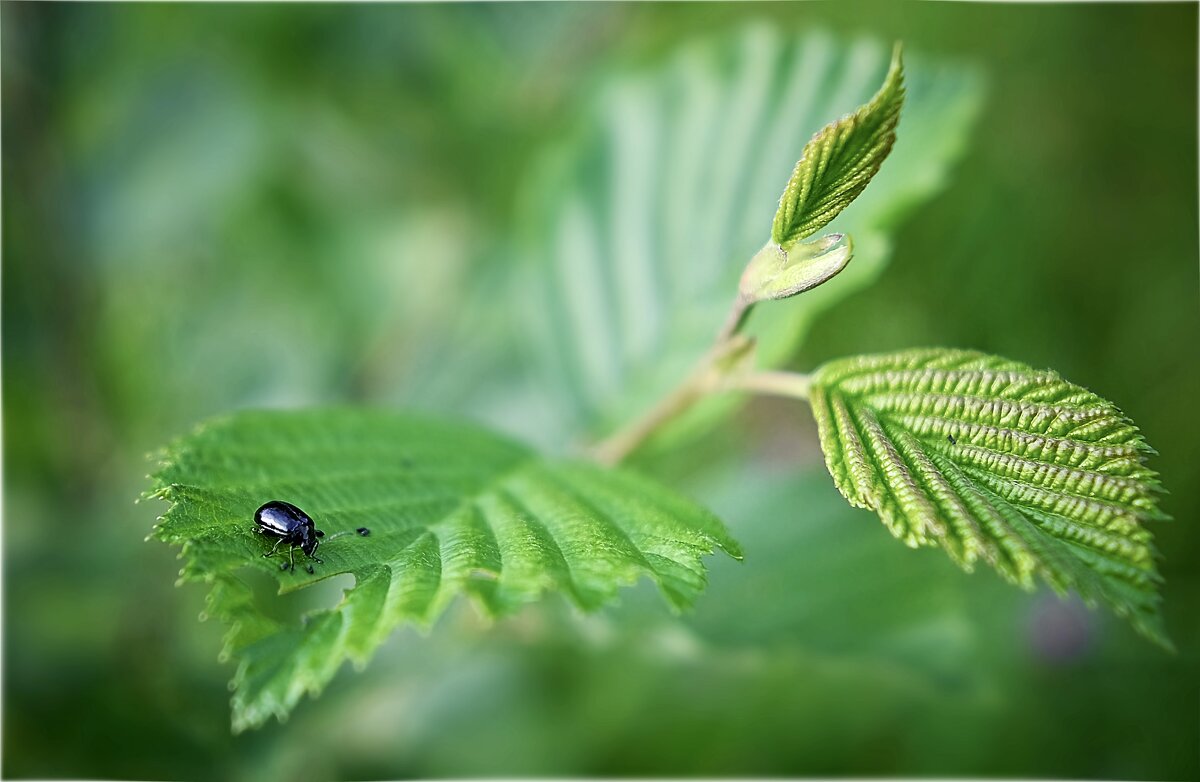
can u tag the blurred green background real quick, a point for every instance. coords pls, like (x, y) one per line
(213, 207)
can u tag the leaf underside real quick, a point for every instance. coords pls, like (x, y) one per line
(839, 161)
(451, 510)
(993, 460)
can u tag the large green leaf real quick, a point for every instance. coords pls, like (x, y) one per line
(993, 460)
(638, 226)
(450, 509)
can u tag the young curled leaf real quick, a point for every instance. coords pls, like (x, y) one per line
(839, 161)
(776, 273)
(991, 459)
(451, 510)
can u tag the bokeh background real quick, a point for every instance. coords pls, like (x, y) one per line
(215, 207)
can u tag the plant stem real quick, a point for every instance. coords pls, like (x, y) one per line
(789, 384)
(708, 375)
(735, 320)
(625, 441)
(718, 370)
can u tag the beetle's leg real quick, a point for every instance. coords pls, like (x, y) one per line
(313, 555)
(272, 551)
(292, 556)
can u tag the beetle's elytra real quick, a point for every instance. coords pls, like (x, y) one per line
(290, 525)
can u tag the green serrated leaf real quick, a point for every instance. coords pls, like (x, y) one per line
(451, 510)
(839, 161)
(993, 460)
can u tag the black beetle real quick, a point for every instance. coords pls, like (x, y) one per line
(283, 520)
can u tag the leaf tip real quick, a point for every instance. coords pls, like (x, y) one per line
(897, 65)
(734, 550)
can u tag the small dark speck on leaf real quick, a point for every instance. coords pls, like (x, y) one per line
(363, 531)
(309, 568)
(950, 437)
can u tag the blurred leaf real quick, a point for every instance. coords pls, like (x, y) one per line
(451, 510)
(599, 694)
(638, 227)
(991, 459)
(839, 161)
(801, 538)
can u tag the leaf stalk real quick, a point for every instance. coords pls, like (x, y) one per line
(722, 360)
(790, 384)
